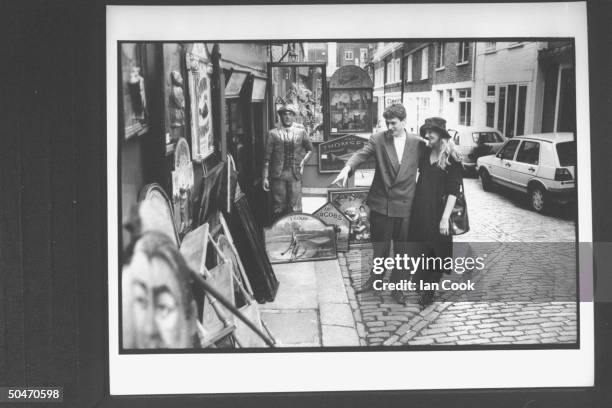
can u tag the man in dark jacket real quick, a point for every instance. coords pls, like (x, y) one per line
(390, 198)
(288, 148)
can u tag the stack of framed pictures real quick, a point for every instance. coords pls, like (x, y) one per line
(248, 239)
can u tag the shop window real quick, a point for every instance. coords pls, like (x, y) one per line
(464, 52)
(350, 110)
(302, 86)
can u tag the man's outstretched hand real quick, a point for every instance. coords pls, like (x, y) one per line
(342, 178)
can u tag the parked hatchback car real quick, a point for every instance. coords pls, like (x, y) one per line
(476, 143)
(541, 165)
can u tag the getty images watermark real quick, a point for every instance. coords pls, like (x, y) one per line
(424, 263)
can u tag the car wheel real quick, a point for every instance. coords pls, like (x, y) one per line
(485, 180)
(538, 199)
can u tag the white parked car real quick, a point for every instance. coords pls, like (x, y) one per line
(475, 143)
(541, 165)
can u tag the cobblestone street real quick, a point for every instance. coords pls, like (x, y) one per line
(524, 295)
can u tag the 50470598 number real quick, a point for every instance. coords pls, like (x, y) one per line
(31, 394)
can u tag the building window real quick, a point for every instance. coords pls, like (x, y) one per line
(511, 110)
(464, 97)
(409, 68)
(440, 56)
(490, 114)
(389, 73)
(491, 91)
(425, 63)
(363, 55)
(464, 52)
(441, 103)
(397, 71)
(490, 46)
(348, 55)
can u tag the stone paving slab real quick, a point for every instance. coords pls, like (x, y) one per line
(311, 308)
(297, 286)
(294, 328)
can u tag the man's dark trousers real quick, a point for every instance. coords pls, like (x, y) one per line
(384, 229)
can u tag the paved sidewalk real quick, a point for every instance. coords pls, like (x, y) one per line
(311, 308)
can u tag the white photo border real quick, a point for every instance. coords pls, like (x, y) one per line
(345, 371)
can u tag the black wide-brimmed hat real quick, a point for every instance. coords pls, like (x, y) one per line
(437, 124)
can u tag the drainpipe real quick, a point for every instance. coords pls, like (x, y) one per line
(402, 70)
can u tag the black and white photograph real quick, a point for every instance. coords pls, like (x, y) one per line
(454, 159)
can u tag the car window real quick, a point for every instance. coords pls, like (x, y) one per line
(487, 137)
(529, 152)
(507, 152)
(567, 153)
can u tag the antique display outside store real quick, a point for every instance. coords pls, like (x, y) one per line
(302, 85)
(300, 237)
(352, 202)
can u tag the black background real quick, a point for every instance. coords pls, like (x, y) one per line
(53, 314)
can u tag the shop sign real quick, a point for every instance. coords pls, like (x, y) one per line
(334, 154)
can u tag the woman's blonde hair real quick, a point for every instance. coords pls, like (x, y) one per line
(448, 149)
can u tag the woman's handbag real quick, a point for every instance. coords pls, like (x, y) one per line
(459, 221)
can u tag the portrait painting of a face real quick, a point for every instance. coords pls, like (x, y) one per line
(158, 308)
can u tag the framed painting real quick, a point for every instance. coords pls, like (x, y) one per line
(331, 215)
(352, 203)
(300, 237)
(199, 69)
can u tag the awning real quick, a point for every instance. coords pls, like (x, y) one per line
(234, 85)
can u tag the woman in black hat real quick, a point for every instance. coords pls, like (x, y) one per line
(439, 181)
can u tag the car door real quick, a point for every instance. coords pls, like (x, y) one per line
(500, 165)
(525, 165)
